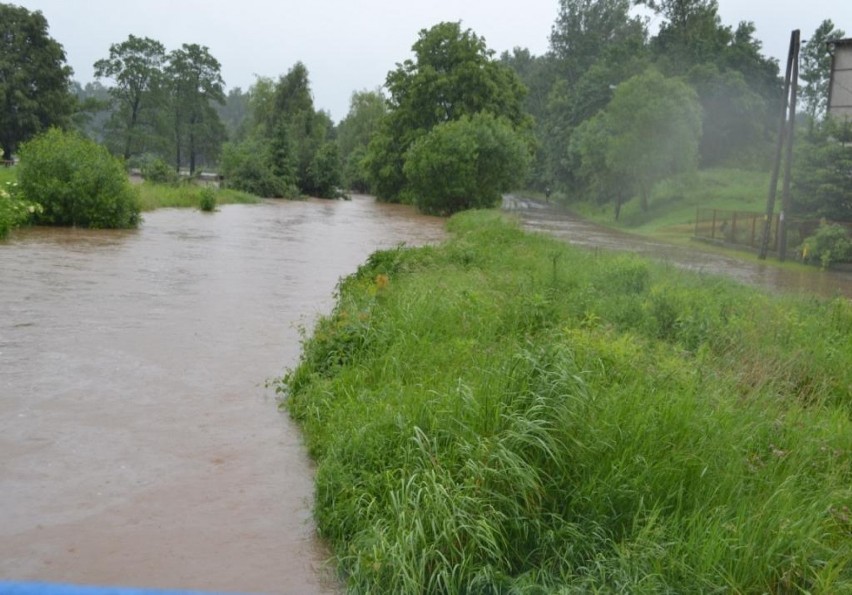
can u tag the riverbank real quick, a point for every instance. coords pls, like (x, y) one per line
(506, 411)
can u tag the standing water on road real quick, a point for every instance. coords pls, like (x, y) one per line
(138, 443)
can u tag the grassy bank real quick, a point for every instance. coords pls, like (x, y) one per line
(157, 196)
(507, 413)
(672, 205)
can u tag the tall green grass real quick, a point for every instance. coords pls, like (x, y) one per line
(156, 196)
(505, 413)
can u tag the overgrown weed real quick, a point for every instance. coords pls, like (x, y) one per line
(506, 413)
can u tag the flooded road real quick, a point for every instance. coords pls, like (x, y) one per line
(536, 216)
(138, 443)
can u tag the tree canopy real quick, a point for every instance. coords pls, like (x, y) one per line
(136, 67)
(453, 75)
(34, 79)
(288, 147)
(649, 131)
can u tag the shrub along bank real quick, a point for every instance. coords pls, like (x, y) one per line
(508, 413)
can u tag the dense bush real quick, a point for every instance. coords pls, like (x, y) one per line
(76, 182)
(830, 244)
(207, 200)
(249, 166)
(14, 211)
(465, 164)
(155, 169)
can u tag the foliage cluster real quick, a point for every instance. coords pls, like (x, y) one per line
(154, 169)
(163, 103)
(823, 172)
(830, 244)
(287, 149)
(34, 79)
(207, 200)
(452, 78)
(77, 182)
(464, 164)
(597, 47)
(505, 413)
(14, 211)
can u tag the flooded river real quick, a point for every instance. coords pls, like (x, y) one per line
(548, 218)
(138, 443)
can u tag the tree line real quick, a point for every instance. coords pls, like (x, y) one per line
(607, 112)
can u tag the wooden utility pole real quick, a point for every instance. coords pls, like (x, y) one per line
(786, 198)
(785, 131)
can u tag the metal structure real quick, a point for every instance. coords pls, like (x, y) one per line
(840, 85)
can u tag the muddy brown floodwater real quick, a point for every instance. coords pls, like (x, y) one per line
(138, 443)
(548, 218)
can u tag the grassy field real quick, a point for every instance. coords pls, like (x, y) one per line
(157, 196)
(506, 413)
(673, 203)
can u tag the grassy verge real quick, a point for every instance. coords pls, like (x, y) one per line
(508, 413)
(156, 196)
(673, 203)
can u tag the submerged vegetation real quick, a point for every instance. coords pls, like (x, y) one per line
(507, 413)
(155, 196)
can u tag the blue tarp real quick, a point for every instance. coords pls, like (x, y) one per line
(11, 588)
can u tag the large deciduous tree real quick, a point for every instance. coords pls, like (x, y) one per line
(195, 81)
(136, 67)
(453, 75)
(34, 79)
(649, 131)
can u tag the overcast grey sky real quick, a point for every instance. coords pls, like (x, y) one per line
(350, 45)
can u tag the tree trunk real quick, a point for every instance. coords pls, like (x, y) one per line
(191, 153)
(617, 206)
(644, 199)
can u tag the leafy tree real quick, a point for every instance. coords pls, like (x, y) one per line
(816, 69)
(733, 115)
(453, 75)
(594, 46)
(324, 171)
(136, 67)
(822, 182)
(94, 108)
(366, 110)
(248, 166)
(285, 150)
(34, 79)
(583, 31)
(77, 182)
(234, 113)
(649, 131)
(195, 80)
(465, 163)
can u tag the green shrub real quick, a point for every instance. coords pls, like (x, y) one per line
(465, 164)
(249, 167)
(77, 182)
(207, 200)
(830, 244)
(154, 169)
(14, 211)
